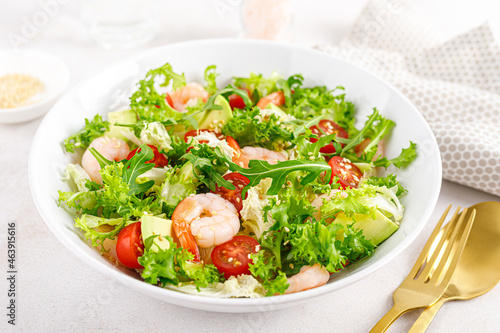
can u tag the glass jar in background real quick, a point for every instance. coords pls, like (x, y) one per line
(120, 23)
(267, 19)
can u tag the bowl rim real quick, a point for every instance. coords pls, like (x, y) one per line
(239, 304)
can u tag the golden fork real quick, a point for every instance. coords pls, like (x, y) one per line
(431, 274)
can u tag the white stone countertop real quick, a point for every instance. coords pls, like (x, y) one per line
(57, 292)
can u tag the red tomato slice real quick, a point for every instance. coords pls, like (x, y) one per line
(236, 101)
(159, 159)
(348, 174)
(233, 144)
(233, 196)
(277, 98)
(197, 132)
(129, 245)
(327, 127)
(231, 257)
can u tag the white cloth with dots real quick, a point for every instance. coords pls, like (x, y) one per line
(455, 84)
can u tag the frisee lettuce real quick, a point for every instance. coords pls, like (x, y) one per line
(171, 265)
(91, 131)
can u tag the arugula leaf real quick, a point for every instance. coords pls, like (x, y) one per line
(148, 103)
(258, 170)
(210, 77)
(135, 167)
(210, 105)
(210, 165)
(91, 131)
(292, 83)
(403, 160)
(358, 138)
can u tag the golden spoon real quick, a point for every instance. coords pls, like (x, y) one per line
(477, 270)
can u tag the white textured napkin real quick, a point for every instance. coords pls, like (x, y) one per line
(455, 84)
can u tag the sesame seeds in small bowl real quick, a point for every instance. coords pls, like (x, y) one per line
(30, 83)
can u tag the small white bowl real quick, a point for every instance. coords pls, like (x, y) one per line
(50, 70)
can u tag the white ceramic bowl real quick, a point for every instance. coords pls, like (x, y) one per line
(107, 91)
(50, 70)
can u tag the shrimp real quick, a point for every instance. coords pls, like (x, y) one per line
(188, 96)
(110, 148)
(204, 220)
(276, 98)
(309, 277)
(258, 153)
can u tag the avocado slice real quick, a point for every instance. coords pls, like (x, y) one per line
(207, 118)
(125, 117)
(152, 226)
(376, 230)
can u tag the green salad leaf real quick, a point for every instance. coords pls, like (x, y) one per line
(248, 128)
(210, 79)
(169, 266)
(91, 131)
(148, 103)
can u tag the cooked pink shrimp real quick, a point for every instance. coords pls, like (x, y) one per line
(188, 96)
(204, 220)
(309, 277)
(110, 148)
(258, 153)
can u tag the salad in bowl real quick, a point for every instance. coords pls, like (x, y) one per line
(263, 186)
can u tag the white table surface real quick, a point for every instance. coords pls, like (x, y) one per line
(59, 293)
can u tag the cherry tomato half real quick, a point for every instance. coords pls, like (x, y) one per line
(231, 257)
(129, 245)
(236, 101)
(277, 98)
(348, 174)
(233, 144)
(159, 159)
(327, 127)
(194, 133)
(234, 196)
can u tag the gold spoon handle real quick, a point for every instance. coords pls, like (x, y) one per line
(425, 318)
(383, 324)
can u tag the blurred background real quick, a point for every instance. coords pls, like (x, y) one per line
(57, 26)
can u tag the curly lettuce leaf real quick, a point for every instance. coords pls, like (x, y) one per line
(98, 229)
(148, 103)
(249, 128)
(210, 79)
(169, 266)
(91, 131)
(258, 85)
(404, 159)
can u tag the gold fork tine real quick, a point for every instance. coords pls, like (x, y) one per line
(428, 246)
(450, 234)
(458, 247)
(436, 263)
